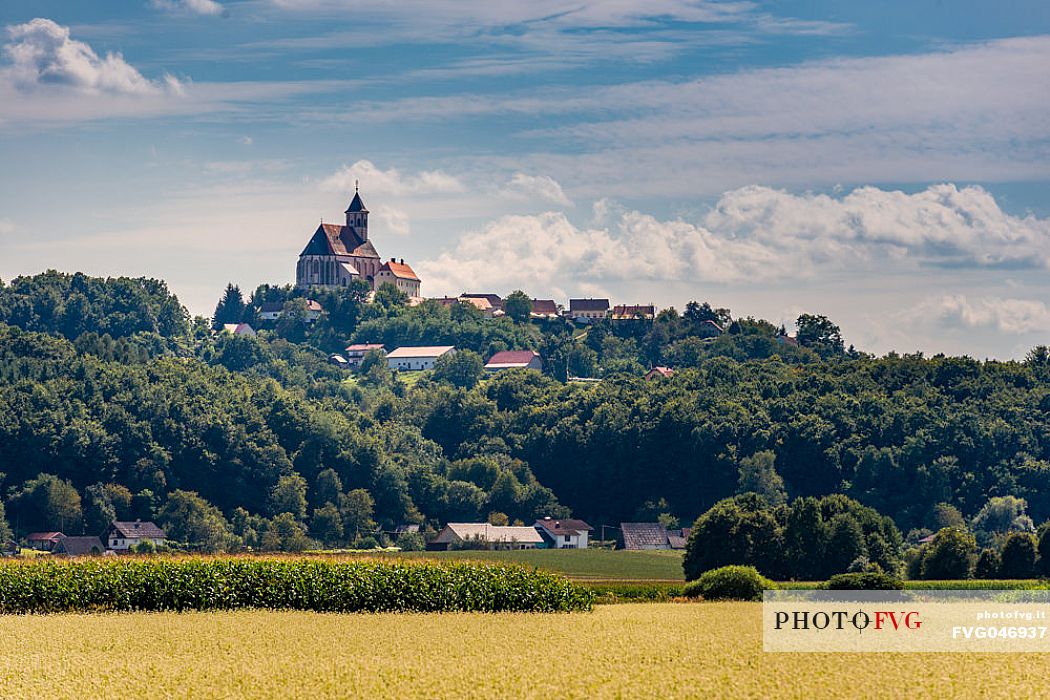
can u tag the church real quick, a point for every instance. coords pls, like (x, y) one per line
(338, 254)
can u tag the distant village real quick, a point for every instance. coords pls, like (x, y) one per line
(139, 537)
(338, 254)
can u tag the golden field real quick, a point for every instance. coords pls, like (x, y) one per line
(629, 651)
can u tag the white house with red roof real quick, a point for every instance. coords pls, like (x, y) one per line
(399, 274)
(514, 359)
(564, 533)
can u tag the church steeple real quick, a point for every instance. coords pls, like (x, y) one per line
(357, 214)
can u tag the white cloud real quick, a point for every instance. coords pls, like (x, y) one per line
(535, 187)
(973, 112)
(754, 234)
(196, 7)
(386, 219)
(245, 141)
(43, 55)
(1017, 316)
(392, 182)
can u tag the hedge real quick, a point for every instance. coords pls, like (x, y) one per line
(296, 584)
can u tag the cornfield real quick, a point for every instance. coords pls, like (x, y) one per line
(290, 584)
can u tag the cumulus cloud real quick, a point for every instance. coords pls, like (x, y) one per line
(752, 234)
(388, 219)
(392, 182)
(42, 54)
(535, 187)
(196, 7)
(1006, 315)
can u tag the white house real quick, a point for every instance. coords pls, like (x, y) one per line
(494, 536)
(565, 533)
(355, 353)
(122, 536)
(408, 359)
(399, 274)
(588, 309)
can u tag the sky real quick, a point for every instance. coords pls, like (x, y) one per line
(885, 164)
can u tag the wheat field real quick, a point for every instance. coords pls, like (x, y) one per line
(623, 651)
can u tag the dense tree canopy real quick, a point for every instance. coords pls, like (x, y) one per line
(141, 405)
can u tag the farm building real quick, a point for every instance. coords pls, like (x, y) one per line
(79, 546)
(492, 536)
(43, 541)
(514, 359)
(644, 536)
(409, 359)
(565, 533)
(123, 535)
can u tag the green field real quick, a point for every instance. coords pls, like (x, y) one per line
(582, 564)
(621, 651)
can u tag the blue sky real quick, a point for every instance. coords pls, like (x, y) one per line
(883, 163)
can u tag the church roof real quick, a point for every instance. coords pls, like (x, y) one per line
(333, 239)
(356, 205)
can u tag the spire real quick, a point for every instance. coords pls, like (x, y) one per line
(356, 205)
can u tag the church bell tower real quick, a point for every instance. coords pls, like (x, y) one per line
(357, 215)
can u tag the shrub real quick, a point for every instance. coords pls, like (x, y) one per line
(297, 584)
(729, 583)
(950, 555)
(410, 542)
(867, 581)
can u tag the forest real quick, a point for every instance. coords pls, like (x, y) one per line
(114, 403)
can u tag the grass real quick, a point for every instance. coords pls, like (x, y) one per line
(581, 564)
(629, 651)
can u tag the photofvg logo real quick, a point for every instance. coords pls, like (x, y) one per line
(872, 621)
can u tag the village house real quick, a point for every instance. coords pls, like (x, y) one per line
(659, 373)
(587, 309)
(565, 533)
(410, 359)
(623, 312)
(337, 254)
(514, 359)
(43, 541)
(399, 274)
(491, 536)
(494, 301)
(272, 310)
(544, 308)
(121, 536)
(355, 353)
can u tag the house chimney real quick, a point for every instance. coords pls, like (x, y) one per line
(402, 261)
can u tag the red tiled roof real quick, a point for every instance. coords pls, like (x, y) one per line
(44, 536)
(661, 371)
(363, 347)
(137, 530)
(333, 239)
(399, 269)
(631, 310)
(512, 357)
(545, 307)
